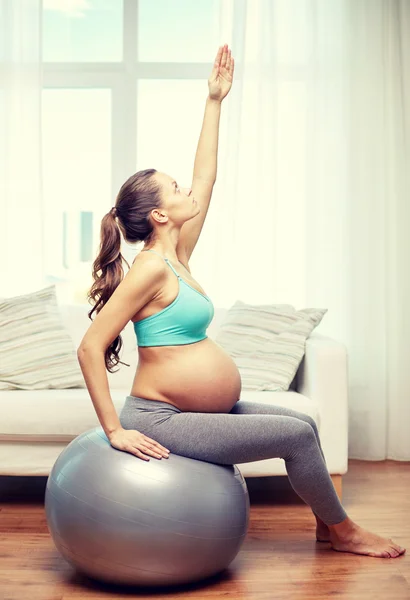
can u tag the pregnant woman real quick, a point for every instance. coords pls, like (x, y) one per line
(185, 397)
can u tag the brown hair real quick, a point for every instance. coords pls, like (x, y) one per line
(137, 197)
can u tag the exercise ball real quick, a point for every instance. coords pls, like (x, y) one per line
(118, 518)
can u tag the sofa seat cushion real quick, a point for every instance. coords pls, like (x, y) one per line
(61, 415)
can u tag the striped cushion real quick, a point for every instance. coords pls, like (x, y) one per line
(267, 342)
(36, 351)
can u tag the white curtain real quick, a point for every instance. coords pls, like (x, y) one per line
(378, 209)
(21, 202)
(311, 205)
(313, 188)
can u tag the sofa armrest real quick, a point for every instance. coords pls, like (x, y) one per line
(323, 376)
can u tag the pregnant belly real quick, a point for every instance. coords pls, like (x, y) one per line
(198, 377)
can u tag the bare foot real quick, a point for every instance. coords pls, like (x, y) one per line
(361, 541)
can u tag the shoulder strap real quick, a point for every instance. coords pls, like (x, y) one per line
(166, 260)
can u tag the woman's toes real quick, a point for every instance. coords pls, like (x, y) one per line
(398, 548)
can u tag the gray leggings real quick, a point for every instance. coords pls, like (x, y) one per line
(250, 431)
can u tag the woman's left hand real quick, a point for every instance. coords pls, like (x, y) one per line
(220, 80)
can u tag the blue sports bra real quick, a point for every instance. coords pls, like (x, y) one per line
(184, 321)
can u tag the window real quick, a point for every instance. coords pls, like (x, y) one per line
(119, 75)
(76, 173)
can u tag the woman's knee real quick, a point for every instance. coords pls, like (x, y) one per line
(312, 423)
(300, 437)
(305, 430)
(308, 419)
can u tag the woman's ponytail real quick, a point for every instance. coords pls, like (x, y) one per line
(138, 196)
(108, 273)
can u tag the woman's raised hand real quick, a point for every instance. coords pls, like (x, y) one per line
(220, 80)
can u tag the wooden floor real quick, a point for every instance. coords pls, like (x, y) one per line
(279, 558)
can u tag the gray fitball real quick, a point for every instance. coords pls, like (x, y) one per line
(121, 519)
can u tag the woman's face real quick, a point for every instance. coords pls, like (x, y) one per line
(178, 201)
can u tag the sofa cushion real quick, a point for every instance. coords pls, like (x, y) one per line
(36, 351)
(61, 415)
(267, 342)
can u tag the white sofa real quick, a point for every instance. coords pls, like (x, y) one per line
(35, 426)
